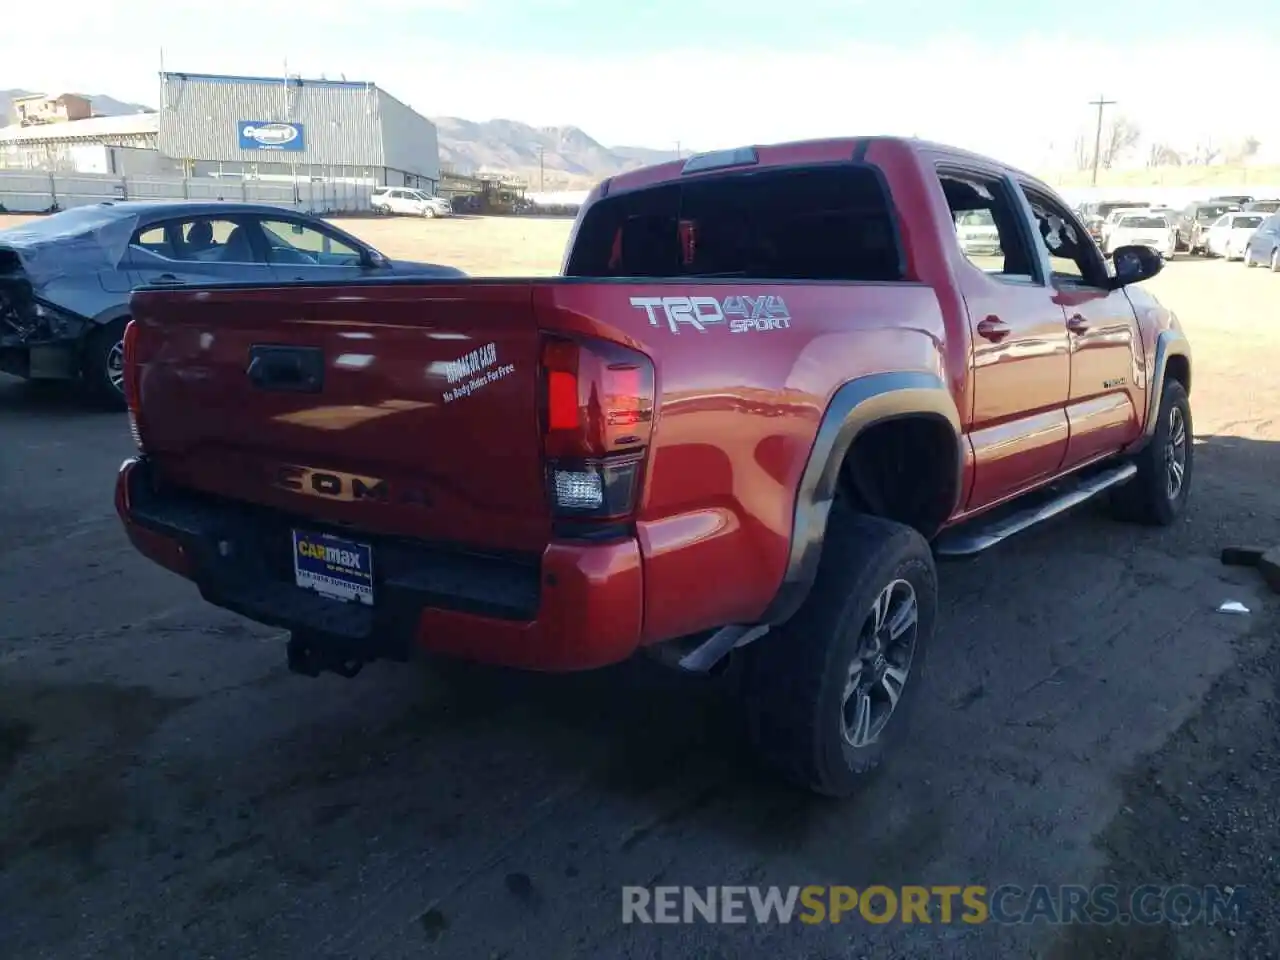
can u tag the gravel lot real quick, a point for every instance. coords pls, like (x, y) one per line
(168, 790)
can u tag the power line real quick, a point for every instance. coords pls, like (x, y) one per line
(1100, 103)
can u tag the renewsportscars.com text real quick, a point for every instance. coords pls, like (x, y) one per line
(1006, 904)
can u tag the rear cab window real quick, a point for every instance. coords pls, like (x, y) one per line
(830, 222)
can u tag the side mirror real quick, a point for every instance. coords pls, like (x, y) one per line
(374, 260)
(1134, 264)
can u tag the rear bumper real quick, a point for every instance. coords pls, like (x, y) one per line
(576, 607)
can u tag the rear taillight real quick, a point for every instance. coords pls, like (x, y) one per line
(597, 419)
(132, 374)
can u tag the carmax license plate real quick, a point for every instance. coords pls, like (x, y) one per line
(333, 567)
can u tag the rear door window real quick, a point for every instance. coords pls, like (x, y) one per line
(153, 240)
(1002, 249)
(830, 222)
(199, 240)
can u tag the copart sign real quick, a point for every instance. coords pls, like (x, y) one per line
(740, 313)
(271, 135)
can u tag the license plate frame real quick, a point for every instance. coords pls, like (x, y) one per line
(336, 568)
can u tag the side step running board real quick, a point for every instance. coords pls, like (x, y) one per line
(981, 533)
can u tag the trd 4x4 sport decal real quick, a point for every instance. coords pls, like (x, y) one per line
(742, 314)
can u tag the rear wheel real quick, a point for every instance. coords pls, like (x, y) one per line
(1157, 495)
(103, 366)
(826, 690)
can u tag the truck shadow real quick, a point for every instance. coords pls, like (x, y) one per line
(1029, 635)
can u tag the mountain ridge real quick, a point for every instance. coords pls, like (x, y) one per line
(562, 157)
(103, 105)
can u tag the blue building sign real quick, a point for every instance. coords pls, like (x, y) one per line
(271, 135)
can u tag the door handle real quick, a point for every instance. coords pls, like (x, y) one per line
(1077, 324)
(993, 328)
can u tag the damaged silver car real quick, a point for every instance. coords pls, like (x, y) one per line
(65, 280)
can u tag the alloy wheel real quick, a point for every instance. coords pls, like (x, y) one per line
(881, 664)
(115, 366)
(1175, 453)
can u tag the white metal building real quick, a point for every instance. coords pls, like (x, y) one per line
(123, 146)
(312, 129)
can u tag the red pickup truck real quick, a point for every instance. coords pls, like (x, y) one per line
(769, 386)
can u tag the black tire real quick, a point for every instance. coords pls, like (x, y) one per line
(1147, 498)
(1275, 261)
(103, 352)
(794, 678)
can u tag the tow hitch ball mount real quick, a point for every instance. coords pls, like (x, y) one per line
(311, 659)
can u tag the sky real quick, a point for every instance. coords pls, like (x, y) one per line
(1012, 78)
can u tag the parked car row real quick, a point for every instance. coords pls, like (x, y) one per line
(1220, 226)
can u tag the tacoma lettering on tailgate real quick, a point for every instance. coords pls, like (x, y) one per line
(344, 486)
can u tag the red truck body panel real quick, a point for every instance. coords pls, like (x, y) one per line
(435, 390)
(732, 436)
(385, 410)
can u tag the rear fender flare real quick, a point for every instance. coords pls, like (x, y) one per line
(857, 405)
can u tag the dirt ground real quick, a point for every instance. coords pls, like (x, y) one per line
(168, 790)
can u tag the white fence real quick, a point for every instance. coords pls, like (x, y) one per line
(39, 192)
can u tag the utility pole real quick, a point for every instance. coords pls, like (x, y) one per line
(679, 155)
(1100, 103)
(542, 171)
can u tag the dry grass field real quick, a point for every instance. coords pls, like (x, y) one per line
(1225, 176)
(480, 246)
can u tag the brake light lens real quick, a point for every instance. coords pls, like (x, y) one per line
(132, 377)
(597, 423)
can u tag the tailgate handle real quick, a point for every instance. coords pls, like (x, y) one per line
(290, 369)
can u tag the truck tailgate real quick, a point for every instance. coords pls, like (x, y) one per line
(406, 409)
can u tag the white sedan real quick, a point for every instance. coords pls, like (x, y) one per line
(417, 203)
(1109, 224)
(1230, 233)
(977, 233)
(1144, 229)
